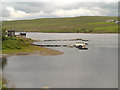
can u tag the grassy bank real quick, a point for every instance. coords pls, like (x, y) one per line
(10, 44)
(21, 46)
(84, 24)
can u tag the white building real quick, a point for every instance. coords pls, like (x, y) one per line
(116, 22)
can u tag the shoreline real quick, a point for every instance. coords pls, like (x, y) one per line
(30, 50)
(44, 52)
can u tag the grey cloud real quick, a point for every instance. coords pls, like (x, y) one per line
(4, 12)
(28, 7)
(109, 9)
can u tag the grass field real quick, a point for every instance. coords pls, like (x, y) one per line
(84, 24)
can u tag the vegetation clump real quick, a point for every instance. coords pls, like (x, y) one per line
(15, 43)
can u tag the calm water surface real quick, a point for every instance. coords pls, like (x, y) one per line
(95, 68)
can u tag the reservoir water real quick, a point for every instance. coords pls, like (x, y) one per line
(96, 67)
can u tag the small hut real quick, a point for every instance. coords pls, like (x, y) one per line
(115, 21)
(11, 33)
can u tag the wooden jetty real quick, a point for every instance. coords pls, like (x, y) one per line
(67, 40)
(79, 43)
(54, 45)
(57, 45)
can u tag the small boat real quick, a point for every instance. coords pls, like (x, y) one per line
(81, 45)
(23, 34)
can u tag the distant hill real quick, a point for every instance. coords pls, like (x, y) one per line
(83, 24)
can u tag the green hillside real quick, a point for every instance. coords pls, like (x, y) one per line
(84, 24)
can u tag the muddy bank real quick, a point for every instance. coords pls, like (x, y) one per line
(25, 48)
(39, 51)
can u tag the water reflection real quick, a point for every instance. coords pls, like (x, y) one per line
(3, 63)
(3, 80)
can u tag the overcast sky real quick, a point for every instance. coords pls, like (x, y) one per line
(45, 9)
